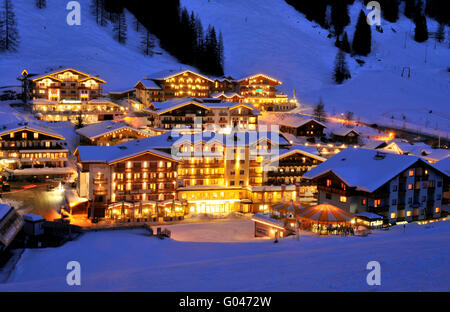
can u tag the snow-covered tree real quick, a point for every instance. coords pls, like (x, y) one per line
(319, 111)
(421, 29)
(341, 71)
(41, 4)
(362, 39)
(120, 28)
(99, 12)
(147, 43)
(9, 35)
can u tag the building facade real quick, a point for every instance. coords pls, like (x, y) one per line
(398, 187)
(28, 151)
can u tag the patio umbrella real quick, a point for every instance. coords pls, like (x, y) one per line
(326, 213)
(292, 206)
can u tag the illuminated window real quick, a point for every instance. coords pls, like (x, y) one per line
(411, 173)
(328, 182)
(409, 213)
(363, 202)
(377, 202)
(343, 199)
(24, 135)
(36, 135)
(437, 210)
(410, 186)
(393, 215)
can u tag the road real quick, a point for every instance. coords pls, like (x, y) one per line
(36, 200)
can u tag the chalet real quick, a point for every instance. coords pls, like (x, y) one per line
(10, 225)
(68, 84)
(417, 149)
(297, 125)
(29, 150)
(258, 90)
(166, 85)
(269, 227)
(444, 165)
(345, 135)
(291, 164)
(208, 114)
(109, 133)
(261, 91)
(398, 187)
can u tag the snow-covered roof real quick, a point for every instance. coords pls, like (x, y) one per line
(206, 103)
(443, 165)
(257, 75)
(365, 169)
(258, 217)
(4, 210)
(149, 84)
(99, 129)
(165, 74)
(289, 120)
(343, 131)
(32, 217)
(368, 215)
(375, 144)
(9, 128)
(309, 151)
(108, 154)
(226, 94)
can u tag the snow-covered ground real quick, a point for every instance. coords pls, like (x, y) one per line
(412, 260)
(272, 37)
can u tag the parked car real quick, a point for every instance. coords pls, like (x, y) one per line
(50, 187)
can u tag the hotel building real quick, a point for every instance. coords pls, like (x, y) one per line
(32, 151)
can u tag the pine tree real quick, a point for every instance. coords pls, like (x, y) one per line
(341, 71)
(319, 111)
(41, 4)
(390, 10)
(362, 39)
(221, 51)
(120, 28)
(136, 24)
(339, 16)
(98, 10)
(147, 43)
(410, 8)
(421, 29)
(345, 45)
(9, 36)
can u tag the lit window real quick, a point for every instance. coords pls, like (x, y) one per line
(36, 135)
(437, 210)
(24, 135)
(393, 215)
(377, 202)
(411, 173)
(328, 182)
(343, 199)
(410, 186)
(409, 213)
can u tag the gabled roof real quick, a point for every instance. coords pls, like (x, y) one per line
(301, 149)
(257, 75)
(12, 128)
(166, 74)
(52, 75)
(175, 103)
(366, 170)
(228, 95)
(4, 210)
(290, 120)
(444, 165)
(99, 129)
(148, 84)
(344, 131)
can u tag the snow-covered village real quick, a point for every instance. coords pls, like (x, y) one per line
(224, 146)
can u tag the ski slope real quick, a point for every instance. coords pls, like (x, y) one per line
(272, 37)
(260, 36)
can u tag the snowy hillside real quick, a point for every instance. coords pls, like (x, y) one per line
(47, 42)
(260, 36)
(272, 37)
